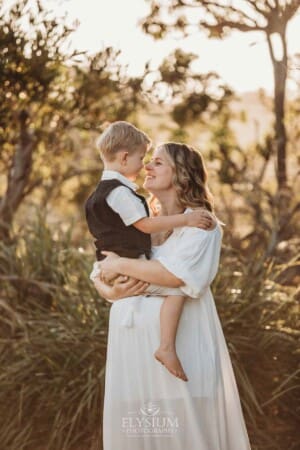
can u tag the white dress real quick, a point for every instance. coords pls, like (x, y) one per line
(147, 408)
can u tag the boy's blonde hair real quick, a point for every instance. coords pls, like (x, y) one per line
(121, 135)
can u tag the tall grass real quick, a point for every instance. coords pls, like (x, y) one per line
(53, 342)
(260, 319)
(53, 329)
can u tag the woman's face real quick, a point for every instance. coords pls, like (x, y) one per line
(159, 172)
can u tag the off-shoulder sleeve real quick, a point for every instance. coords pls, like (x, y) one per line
(195, 259)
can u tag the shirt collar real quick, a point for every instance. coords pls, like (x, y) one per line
(113, 174)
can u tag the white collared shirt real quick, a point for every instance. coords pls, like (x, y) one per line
(121, 200)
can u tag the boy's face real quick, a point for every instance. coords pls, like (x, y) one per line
(134, 162)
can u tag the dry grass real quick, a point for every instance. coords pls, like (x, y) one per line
(53, 341)
(260, 319)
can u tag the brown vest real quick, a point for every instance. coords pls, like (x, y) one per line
(109, 230)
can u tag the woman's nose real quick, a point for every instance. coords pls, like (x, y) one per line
(148, 166)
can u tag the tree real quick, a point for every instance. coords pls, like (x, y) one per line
(49, 100)
(219, 17)
(193, 96)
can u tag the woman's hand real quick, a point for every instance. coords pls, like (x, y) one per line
(123, 287)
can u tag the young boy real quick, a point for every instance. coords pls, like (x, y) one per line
(118, 218)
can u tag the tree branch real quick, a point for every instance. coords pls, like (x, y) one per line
(229, 9)
(233, 25)
(258, 9)
(291, 9)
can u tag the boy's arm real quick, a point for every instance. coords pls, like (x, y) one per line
(132, 212)
(198, 218)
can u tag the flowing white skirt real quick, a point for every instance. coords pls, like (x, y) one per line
(147, 408)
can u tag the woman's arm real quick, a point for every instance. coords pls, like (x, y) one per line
(148, 271)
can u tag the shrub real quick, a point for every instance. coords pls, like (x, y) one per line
(53, 331)
(53, 341)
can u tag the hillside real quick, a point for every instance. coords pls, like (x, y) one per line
(252, 113)
(256, 108)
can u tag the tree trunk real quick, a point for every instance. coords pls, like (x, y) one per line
(17, 178)
(280, 75)
(283, 197)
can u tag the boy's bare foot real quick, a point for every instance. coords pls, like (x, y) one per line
(171, 361)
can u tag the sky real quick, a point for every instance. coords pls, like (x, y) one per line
(241, 60)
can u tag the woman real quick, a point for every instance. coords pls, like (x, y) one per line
(147, 408)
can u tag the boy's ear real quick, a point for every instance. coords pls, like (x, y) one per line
(124, 157)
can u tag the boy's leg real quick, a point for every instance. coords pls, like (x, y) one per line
(170, 313)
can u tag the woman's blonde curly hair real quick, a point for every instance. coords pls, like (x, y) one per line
(190, 176)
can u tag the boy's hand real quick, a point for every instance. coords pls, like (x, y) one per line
(121, 289)
(108, 273)
(108, 277)
(200, 218)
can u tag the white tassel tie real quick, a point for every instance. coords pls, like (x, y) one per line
(96, 271)
(128, 319)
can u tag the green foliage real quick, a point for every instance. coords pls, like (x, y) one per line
(193, 96)
(53, 344)
(218, 18)
(259, 317)
(246, 191)
(53, 333)
(32, 72)
(51, 100)
(53, 326)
